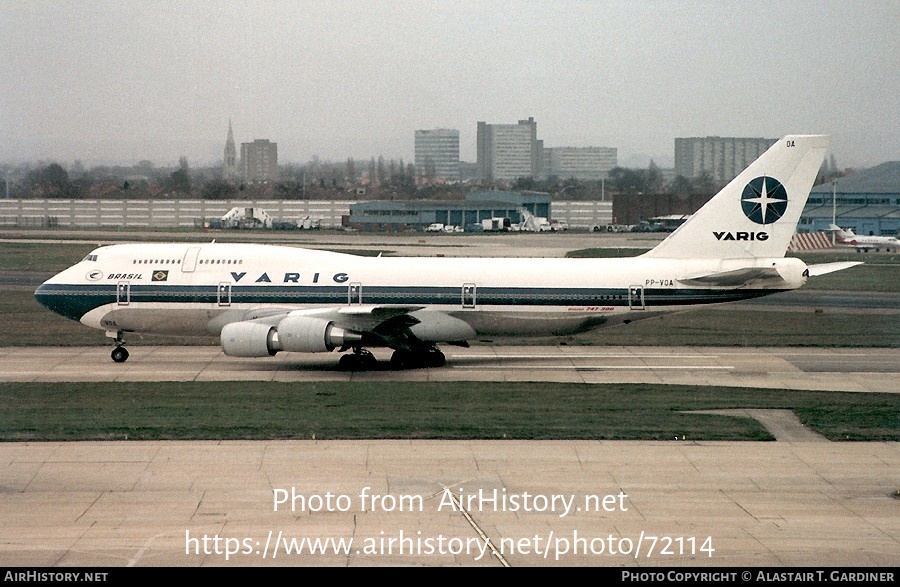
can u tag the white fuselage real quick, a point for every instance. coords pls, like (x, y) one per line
(869, 241)
(198, 288)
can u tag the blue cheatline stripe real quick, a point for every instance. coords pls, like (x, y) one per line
(74, 301)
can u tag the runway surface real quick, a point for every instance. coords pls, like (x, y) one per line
(805, 368)
(800, 501)
(430, 503)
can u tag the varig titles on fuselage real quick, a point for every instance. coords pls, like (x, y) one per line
(290, 277)
(241, 276)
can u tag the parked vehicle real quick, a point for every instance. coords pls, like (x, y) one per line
(495, 224)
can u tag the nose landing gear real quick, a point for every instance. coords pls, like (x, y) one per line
(119, 353)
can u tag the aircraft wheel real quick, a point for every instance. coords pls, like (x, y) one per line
(401, 360)
(349, 362)
(357, 362)
(412, 360)
(435, 358)
(119, 354)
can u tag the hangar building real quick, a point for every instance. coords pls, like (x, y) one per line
(867, 202)
(396, 216)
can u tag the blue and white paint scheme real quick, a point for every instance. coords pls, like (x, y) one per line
(263, 299)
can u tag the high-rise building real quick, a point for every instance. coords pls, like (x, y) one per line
(508, 151)
(437, 154)
(229, 164)
(721, 158)
(582, 163)
(259, 161)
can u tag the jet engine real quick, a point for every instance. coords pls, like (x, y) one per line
(249, 339)
(294, 333)
(313, 335)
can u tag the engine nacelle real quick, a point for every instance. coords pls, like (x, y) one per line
(249, 339)
(439, 327)
(308, 334)
(303, 334)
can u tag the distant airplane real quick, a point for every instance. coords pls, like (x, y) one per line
(262, 299)
(845, 236)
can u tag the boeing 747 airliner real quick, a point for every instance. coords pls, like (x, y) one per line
(261, 299)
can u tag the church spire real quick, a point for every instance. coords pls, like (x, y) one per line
(229, 168)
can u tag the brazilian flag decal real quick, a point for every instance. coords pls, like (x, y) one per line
(160, 275)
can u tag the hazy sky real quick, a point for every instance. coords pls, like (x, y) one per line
(120, 81)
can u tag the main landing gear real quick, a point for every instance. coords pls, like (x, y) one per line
(359, 360)
(363, 360)
(119, 353)
(429, 357)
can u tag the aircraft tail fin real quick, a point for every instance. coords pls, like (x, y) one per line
(842, 233)
(756, 214)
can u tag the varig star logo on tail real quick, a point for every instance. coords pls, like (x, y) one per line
(764, 200)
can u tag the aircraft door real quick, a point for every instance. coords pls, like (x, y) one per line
(354, 293)
(468, 295)
(223, 294)
(636, 297)
(123, 293)
(189, 263)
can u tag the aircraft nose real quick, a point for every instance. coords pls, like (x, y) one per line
(55, 298)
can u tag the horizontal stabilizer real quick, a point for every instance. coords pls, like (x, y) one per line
(824, 268)
(746, 277)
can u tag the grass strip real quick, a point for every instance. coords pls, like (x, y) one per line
(404, 410)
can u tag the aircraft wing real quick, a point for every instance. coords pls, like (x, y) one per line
(404, 327)
(377, 312)
(364, 317)
(745, 277)
(360, 317)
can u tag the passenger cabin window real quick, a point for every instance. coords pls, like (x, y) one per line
(155, 261)
(220, 261)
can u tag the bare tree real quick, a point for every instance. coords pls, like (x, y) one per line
(51, 180)
(351, 171)
(380, 172)
(180, 180)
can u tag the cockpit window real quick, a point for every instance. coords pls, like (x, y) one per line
(90, 258)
